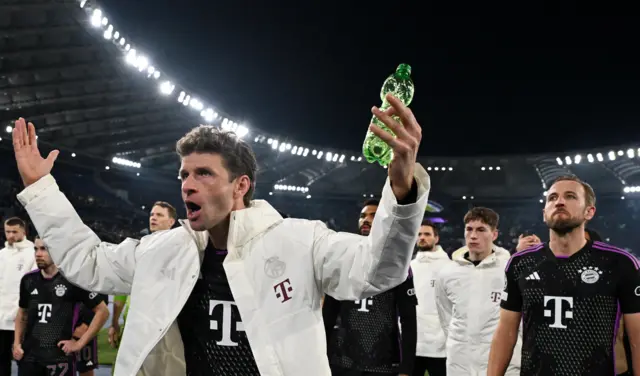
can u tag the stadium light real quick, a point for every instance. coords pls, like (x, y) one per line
(631, 189)
(8, 129)
(290, 188)
(126, 162)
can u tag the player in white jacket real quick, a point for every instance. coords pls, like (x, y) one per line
(430, 349)
(468, 293)
(236, 289)
(16, 259)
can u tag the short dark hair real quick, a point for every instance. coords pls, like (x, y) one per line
(371, 202)
(163, 204)
(237, 156)
(15, 221)
(589, 193)
(427, 222)
(485, 215)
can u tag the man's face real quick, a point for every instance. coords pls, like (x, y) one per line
(159, 219)
(427, 240)
(208, 194)
(14, 234)
(479, 236)
(43, 259)
(566, 209)
(366, 219)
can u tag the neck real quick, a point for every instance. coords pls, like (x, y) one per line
(479, 255)
(49, 271)
(219, 234)
(567, 244)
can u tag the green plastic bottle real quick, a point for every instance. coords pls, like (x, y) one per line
(401, 86)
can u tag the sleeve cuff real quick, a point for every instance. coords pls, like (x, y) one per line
(36, 189)
(410, 209)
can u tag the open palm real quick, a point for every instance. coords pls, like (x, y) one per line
(31, 165)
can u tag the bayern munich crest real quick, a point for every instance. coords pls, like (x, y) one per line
(274, 268)
(61, 290)
(590, 274)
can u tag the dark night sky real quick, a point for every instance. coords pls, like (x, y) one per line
(484, 85)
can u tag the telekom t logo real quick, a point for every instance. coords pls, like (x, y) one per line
(283, 289)
(44, 312)
(559, 311)
(495, 296)
(226, 322)
(364, 303)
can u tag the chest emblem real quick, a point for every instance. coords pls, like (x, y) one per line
(590, 274)
(274, 268)
(61, 290)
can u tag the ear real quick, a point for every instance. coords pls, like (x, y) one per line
(437, 239)
(589, 213)
(495, 235)
(243, 183)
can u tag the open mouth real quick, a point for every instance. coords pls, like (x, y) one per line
(193, 210)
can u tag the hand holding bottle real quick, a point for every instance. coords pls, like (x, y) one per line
(405, 144)
(31, 165)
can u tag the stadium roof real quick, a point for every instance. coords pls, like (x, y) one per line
(103, 103)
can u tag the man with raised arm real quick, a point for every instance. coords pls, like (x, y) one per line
(236, 289)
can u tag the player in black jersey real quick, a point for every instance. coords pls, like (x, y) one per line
(87, 358)
(368, 340)
(570, 294)
(49, 311)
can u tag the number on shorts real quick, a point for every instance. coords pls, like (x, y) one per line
(86, 353)
(53, 368)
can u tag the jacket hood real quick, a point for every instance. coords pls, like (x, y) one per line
(437, 254)
(499, 253)
(25, 243)
(245, 224)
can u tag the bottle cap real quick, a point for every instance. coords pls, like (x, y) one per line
(404, 68)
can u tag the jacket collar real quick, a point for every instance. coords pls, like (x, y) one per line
(437, 254)
(499, 254)
(19, 246)
(244, 225)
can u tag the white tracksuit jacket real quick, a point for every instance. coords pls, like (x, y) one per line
(468, 300)
(15, 261)
(266, 253)
(431, 339)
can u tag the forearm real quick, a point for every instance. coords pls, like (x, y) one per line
(98, 321)
(20, 324)
(501, 352)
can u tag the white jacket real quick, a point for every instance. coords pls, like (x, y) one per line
(15, 261)
(468, 299)
(264, 251)
(431, 339)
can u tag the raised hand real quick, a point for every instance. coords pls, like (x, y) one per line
(31, 165)
(405, 144)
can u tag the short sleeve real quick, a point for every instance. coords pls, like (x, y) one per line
(406, 293)
(629, 285)
(511, 296)
(89, 299)
(23, 302)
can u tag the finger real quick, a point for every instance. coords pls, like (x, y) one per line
(405, 114)
(53, 155)
(521, 236)
(397, 146)
(390, 122)
(22, 128)
(32, 136)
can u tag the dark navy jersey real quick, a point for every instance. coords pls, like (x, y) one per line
(210, 325)
(53, 310)
(571, 307)
(368, 337)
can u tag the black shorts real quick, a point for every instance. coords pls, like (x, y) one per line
(26, 368)
(87, 358)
